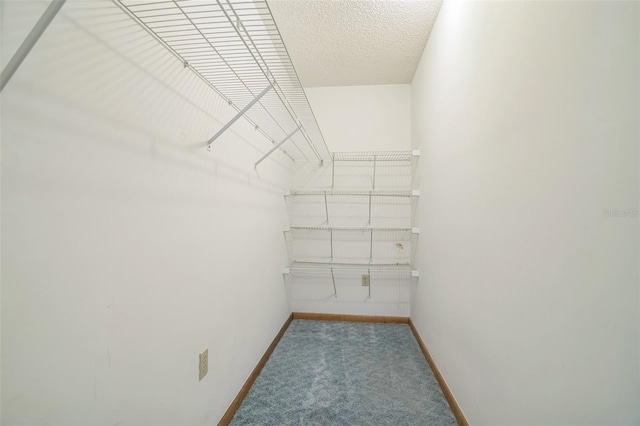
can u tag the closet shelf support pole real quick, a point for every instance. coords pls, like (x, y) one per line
(255, 166)
(30, 41)
(239, 114)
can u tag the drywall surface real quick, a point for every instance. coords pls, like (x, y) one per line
(363, 118)
(526, 115)
(127, 247)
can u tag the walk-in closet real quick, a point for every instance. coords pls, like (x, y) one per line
(319, 212)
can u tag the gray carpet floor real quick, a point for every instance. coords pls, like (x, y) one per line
(345, 373)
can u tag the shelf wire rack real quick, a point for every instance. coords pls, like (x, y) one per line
(374, 156)
(354, 193)
(401, 270)
(354, 229)
(236, 48)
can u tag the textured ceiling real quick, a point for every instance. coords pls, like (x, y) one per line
(355, 42)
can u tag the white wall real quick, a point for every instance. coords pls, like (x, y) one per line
(127, 247)
(526, 114)
(363, 118)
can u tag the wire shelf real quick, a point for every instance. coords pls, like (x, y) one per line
(236, 48)
(354, 229)
(355, 193)
(374, 156)
(355, 268)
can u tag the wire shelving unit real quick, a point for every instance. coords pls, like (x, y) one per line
(357, 231)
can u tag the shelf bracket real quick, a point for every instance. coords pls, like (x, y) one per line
(238, 115)
(326, 207)
(331, 242)
(369, 223)
(374, 171)
(335, 292)
(255, 166)
(333, 169)
(369, 273)
(30, 41)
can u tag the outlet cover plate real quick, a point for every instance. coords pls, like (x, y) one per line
(366, 280)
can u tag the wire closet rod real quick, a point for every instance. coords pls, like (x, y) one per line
(30, 41)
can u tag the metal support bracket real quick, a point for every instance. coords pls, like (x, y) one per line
(374, 172)
(255, 166)
(238, 115)
(326, 208)
(335, 292)
(30, 41)
(333, 169)
(331, 242)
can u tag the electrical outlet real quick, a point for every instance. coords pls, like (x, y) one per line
(204, 363)
(366, 280)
